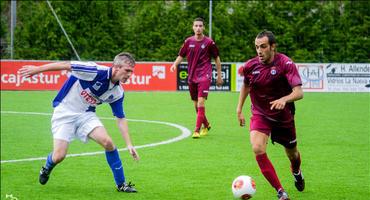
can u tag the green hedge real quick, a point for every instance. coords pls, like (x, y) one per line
(307, 31)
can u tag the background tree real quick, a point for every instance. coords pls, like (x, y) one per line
(307, 31)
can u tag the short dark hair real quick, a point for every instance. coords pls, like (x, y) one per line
(199, 19)
(269, 35)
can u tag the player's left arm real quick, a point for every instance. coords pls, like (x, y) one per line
(296, 94)
(219, 80)
(117, 109)
(123, 128)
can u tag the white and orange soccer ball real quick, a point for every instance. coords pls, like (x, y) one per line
(243, 187)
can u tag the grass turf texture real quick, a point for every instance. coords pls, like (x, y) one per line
(333, 137)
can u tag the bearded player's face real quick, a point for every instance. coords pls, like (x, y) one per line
(265, 51)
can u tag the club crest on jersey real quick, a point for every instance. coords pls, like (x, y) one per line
(97, 85)
(273, 70)
(203, 46)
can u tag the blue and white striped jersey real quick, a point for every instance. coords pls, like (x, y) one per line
(88, 86)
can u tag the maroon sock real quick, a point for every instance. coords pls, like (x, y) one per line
(295, 164)
(268, 171)
(205, 121)
(200, 118)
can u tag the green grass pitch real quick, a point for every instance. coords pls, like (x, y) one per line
(333, 137)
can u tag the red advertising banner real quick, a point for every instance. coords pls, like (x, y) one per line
(146, 77)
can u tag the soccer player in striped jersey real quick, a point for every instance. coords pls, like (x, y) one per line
(74, 114)
(199, 49)
(273, 82)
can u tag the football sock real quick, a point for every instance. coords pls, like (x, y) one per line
(295, 164)
(205, 121)
(49, 162)
(268, 171)
(116, 166)
(200, 118)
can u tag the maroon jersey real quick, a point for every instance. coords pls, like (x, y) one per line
(198, 54)
(271, 82)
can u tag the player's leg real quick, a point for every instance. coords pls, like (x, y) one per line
(100, 135)
(62, 131)
(260, 130)
(295, 164)
(196, 106)
(193, 90)
(285, 134)
(203, 90)
(57, 156)
(201, 113)
(259, 144)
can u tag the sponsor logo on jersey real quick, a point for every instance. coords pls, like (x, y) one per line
(88, 98)
(191, 45)
(255, 72)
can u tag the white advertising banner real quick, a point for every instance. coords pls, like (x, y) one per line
(328, 77)
(354, 77)
(313, 77)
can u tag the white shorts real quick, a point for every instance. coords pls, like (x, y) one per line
(69, 125)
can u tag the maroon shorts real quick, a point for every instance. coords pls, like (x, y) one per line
(200, 89)
(282, 133)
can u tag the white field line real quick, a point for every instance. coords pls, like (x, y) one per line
(184, 134)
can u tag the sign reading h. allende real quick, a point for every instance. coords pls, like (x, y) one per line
(182, 77)
(353, 77)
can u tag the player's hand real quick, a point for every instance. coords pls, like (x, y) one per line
(28, 70)
(278, 104)
(241, 118)
(173, 67)
(133, 152)
(219, 81)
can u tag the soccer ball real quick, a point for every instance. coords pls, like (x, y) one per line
(243, 187)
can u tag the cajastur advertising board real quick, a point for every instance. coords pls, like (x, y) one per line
(146, 77)
(11, 80)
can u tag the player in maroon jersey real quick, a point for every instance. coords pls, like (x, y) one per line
(273, 82)
(199, 50)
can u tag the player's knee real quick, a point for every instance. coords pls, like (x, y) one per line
(58, 156)
(108, 145)
(200, 104)
(258, 149)
(293, 155)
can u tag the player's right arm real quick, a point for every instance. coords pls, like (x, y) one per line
(244, 91)
(29, 70)
(177, 62)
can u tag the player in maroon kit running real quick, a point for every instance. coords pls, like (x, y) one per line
(273, 82)
(199, 50)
